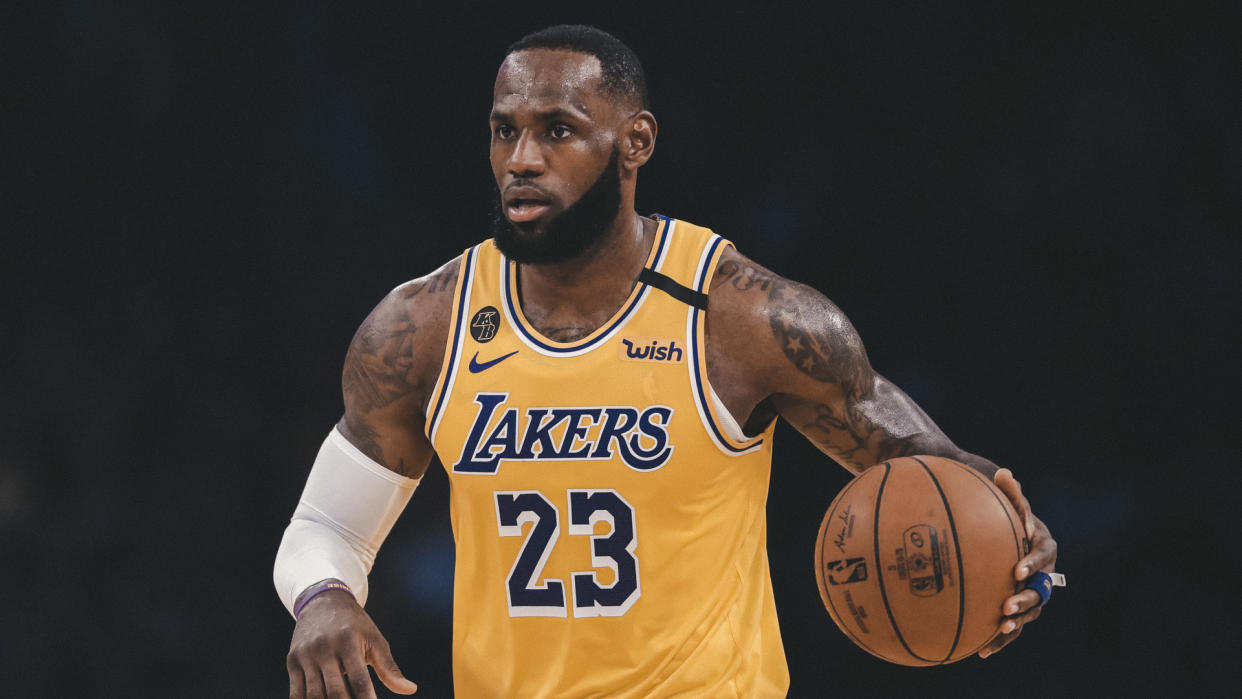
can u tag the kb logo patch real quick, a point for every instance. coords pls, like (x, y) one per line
(484, 323)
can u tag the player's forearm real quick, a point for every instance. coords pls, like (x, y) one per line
(949, 450)
(349, 505)
(311, 552)
(902, 419)
(888, 423)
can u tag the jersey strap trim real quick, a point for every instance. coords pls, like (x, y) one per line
(686, 295)
(536, 341)
(696, 320)
(452, 349)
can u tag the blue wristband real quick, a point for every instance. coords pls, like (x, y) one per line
(1041, 582)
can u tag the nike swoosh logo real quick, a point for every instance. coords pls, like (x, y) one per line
(476, 367)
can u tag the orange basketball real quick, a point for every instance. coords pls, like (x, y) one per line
(915, 557)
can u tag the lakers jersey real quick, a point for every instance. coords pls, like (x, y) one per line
(610, 530)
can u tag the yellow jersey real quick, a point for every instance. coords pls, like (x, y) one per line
(610, 531)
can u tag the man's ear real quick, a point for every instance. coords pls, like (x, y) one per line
(639, 140)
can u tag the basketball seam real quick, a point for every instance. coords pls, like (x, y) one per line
(832, 606)
(879, 572)
(1017, 543)
(957, 550)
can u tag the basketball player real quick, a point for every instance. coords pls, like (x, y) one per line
(602, 389)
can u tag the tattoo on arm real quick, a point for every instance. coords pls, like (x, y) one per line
(361, 434)
(436, 284)
(835, 398)
(874, 420)
(855, 440)
(377, 373)
(379, 366)
(817, 339)
(743, 277)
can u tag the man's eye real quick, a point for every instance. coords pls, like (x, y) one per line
(561, 131)
(504, 132)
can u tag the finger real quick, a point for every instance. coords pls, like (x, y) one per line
(1003, 638)
(999, 642)
(1042, 557)
(1014, 623)
(334, 682)
(1013, 490)
(1010, 628)
(297, 683)
(379, 655)
(1021, 602)
(359, 677)
(314, 682)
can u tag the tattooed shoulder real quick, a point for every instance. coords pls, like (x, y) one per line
(440, 281)
(816, 337)
(395, 353)
(814, 368)
(734, 272)
(813, 336)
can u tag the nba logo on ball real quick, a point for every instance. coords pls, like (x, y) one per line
(847, 571)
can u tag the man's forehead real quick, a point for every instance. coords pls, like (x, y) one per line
(546, 77)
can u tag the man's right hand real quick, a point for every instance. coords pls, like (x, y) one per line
(333, 643)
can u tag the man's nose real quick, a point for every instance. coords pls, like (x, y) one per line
(527, 159)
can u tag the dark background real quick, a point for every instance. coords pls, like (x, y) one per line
(1030, 215)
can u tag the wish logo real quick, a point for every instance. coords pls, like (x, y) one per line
(650, 349)
(639, 437)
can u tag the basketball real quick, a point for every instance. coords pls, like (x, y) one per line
(915, 557)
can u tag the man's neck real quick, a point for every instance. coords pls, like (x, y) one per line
(568, 300)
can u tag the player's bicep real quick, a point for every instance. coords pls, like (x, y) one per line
(384, 381)
(391, 443)
(830, 392)
(815, 346)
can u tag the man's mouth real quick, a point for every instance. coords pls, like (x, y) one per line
(523, 210)
(524, 202)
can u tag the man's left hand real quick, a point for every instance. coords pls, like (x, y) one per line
(1023, 607)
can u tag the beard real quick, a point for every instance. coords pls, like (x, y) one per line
(571, 233)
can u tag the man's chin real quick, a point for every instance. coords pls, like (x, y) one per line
(525, 233)
(522, 243)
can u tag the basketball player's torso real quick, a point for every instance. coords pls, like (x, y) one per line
(609, 524)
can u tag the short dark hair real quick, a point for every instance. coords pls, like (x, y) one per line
(622, 71)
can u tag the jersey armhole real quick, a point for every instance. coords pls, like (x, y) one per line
(705, 399)
(452, 348)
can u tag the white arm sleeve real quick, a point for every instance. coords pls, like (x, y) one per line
(347, 509)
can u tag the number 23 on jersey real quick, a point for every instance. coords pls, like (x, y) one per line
(528, 594)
